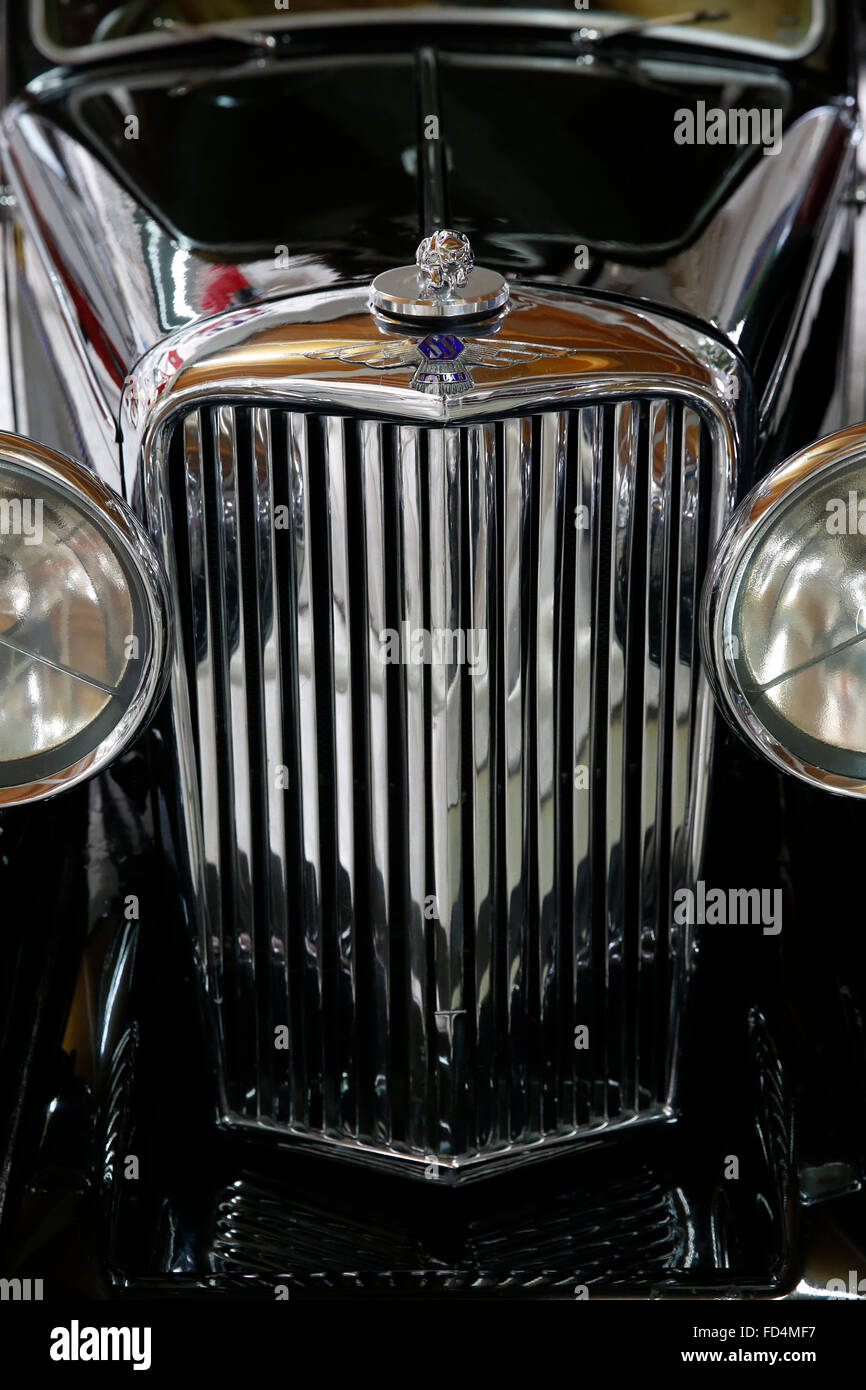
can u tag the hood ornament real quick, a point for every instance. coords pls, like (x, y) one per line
(445, 261)
(444, 283)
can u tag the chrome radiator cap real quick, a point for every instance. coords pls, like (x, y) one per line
(444, 283)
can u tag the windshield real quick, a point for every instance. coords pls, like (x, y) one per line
(70, 29)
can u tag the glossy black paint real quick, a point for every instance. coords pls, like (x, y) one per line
(621, 1215)
(774, 1049)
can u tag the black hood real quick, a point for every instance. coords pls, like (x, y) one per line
(328, 154)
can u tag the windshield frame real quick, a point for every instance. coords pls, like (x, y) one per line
(422, 13)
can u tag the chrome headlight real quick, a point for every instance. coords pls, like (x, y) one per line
(784, 614)
(83, 623)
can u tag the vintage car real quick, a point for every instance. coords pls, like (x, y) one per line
(431, 650)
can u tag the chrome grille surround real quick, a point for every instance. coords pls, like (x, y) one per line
(432, 906)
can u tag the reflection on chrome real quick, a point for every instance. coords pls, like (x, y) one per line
(425, 805)
(782, 616)
(83, 623)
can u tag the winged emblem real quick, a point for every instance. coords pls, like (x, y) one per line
(399, 353)
(489, 353)
(442, 360)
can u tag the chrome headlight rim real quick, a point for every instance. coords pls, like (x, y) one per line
(761, 508)
(125, 534)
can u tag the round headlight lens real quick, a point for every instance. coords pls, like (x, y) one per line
(785, 614)
(83, 623)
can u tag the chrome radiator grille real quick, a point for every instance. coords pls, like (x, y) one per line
(426, 874)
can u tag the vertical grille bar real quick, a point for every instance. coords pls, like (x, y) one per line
(409, 485)
(433, 874)
(683, 564)
(551, 490)
(604, 560)
(481, 502)
(340, 1011)
(668, 658)
(516, 489)
(272, 639)
(616, 847)
(247, 700)
(446, 782)
(654, 777)
(633, 755)
(299, 676)
(377, 775)
(584, 682)
(200, 638)
(563, 1077)
(224, 592)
